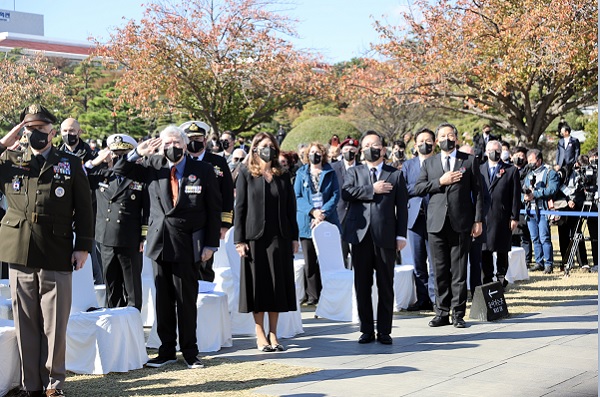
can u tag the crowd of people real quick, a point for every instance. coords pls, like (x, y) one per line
(174, 196)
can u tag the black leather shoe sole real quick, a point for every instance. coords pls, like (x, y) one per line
(366, 338)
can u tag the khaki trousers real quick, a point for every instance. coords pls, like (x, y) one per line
(41, 305)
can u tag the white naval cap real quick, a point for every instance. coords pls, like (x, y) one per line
(121, 142)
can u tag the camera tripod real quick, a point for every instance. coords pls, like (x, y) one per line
(573, 247)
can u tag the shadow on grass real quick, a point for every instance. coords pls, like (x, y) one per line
(176, 379)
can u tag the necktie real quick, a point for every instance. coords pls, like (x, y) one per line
(447, 168)
(373, 175)
(174, 185)
(40, 159)
(492, 173)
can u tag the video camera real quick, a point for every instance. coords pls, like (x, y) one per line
(525, 190)
(587, 179)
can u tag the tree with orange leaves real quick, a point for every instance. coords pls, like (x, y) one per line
(25, 79)
(224, 62)
(519, 64)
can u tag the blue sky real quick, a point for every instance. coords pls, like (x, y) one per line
(338, 29)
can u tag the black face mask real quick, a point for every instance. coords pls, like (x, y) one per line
(174, 154)
(425, 148)
(37, 139)
(349, 156)
(372, 154)
(315, 158)
(447, 145)
(267, 154)
(195, 146)
(494, 156)
(519, 161)
(225, 144)
(70, 140)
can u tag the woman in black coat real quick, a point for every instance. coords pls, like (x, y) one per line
(265, 235)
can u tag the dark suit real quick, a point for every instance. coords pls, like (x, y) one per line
(342, 206)
(417, 233)
(505, 194)
(567, 153)
(451, 212)
(372, 224)
(121, 206)
(47, 203)
(170, 242)
(225, 183)
(479, 143)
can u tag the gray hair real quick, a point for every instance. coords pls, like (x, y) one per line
(494, 142)
(173, 130)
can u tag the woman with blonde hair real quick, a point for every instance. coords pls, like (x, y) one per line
(265, 236)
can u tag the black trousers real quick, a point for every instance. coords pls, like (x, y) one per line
(487, 265)
(566, 232)
(312, 274)
(122, 276)
(450, 252)
(419, 245)
(176, 310)
(366, 259)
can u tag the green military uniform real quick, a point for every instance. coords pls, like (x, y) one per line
(49, 200)
(43, 203)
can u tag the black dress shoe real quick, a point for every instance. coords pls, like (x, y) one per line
(439, 321)
(366, 338)
(459, 322)
(384, 339)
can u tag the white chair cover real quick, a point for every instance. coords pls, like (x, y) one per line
(102, 341)
(299, 275)
(100, 291)
(337, 296)
(148, 293)
(10, 364)
(213, 329)
(221, 257)
(4, 289)
(6, 309)
(407, 254)
(405, 293)
(517, 266)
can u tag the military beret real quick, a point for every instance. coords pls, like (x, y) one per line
(37, 112)
(349, 141)
(195, 128)
(121, 142)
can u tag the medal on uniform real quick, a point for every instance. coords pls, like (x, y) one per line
(192, 178)
(17, 185)
(59, 191)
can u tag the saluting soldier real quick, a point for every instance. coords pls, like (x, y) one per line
(122, 206)
(196, 132)
(48, 198)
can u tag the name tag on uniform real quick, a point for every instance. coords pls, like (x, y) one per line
(103, 185)
(136, 186)
(193, 189)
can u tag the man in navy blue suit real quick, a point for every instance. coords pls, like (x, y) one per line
(417, 221)
(568, 149)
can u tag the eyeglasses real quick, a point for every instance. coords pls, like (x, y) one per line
(236, 159)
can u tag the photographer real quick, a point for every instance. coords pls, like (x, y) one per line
(570, 197)
(541, 185)
(590, 186)
(520, 236)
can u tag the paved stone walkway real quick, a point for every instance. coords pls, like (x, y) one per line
(553, 353)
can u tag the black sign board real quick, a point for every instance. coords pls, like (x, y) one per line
(489, 303)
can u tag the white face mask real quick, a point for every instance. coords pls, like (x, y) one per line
(505, 156)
